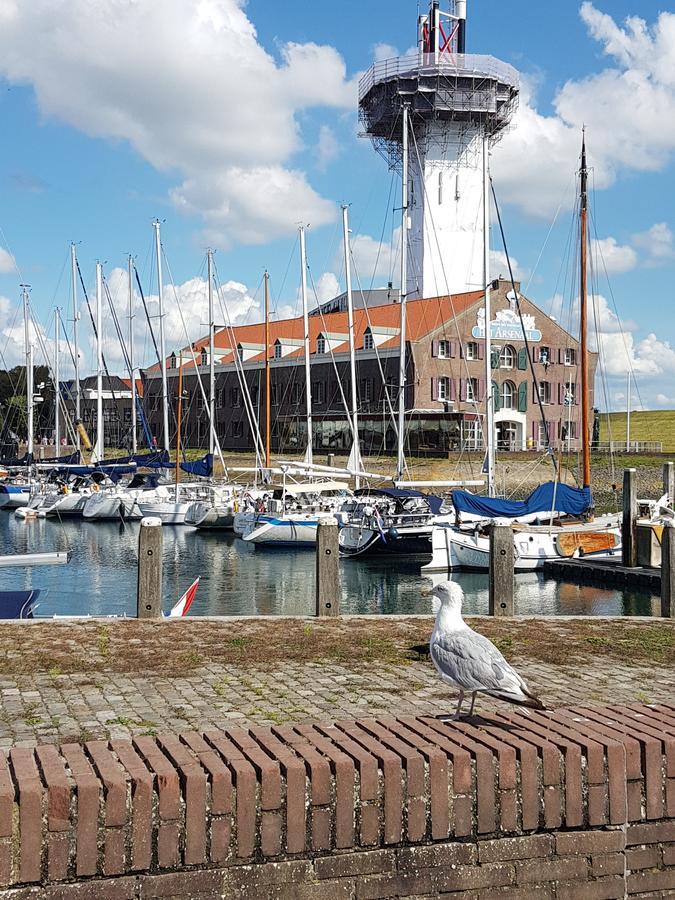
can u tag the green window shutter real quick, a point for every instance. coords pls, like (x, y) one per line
(522, 397)
(496, 396)
(494, 359)
(522, 359)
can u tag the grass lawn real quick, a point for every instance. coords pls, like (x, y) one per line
(651, 425)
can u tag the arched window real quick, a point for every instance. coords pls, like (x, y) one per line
(507, 358)
(508, 395)
(321, 344)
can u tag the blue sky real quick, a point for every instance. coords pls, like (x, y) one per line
(231, 123)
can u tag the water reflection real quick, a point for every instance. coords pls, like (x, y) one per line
(238, 580)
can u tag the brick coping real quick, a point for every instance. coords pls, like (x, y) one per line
(261, 795)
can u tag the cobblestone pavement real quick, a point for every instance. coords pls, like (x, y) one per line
(53, 708)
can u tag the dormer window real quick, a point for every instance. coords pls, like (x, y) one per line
(205, 357)
(172, 361)
(368, 342)
(277, 350)
(321, 344)
(240, 352)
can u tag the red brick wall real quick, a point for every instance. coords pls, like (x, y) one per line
(568, 803)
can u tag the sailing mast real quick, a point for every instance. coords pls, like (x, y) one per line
(268, 415)
(585, 398)
(99, 447)
(28, 348)
(489, 399)
(179, 417)
(305, 319)
(352, 355)
(130, 264)
(212, 352)
(162, 343)
(400, 465)
(76, 351)
(57, 380)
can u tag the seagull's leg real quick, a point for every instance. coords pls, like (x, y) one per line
(473, 701)
(460, 700)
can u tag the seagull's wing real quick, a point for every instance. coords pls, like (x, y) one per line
(473, 663)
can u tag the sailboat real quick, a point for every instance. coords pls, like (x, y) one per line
(468, 547)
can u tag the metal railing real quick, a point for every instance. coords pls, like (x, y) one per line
(630, 447)
(468, 65)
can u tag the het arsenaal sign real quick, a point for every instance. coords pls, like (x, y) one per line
(506, 325)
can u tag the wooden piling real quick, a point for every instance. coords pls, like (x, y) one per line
(149, 594)
(668, 571)
(501, 570)
(669, 482)
(629, 526)
(330, 459)
(327, 569)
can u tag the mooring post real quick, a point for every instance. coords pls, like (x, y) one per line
(668, 571)
(501, 570)
(149, 595)
(629, 527)
(669, 482)
(330, 459)
(327, 569)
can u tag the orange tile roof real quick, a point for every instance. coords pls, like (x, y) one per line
(422, 317)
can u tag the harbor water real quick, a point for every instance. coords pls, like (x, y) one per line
(237, 579)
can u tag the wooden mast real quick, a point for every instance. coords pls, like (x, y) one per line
(268, 417)
(585, 387)
(179, 416)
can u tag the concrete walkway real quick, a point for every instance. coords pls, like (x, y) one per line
(47, 706)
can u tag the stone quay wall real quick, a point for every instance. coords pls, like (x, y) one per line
(564, 803)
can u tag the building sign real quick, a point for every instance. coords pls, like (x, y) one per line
(506, 325)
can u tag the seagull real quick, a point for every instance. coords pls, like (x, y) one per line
(469, 661)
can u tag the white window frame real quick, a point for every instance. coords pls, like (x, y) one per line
(321, 344)
(513, 391)
(472, 390)
(471, 351)
(443, 389)
(569, 356)
(545, 392)
(277, 351)
(502, 357)
(444, 349)
(368, 340)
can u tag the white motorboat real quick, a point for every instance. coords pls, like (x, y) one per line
(469, 548)
(15, 494)
(290, 517)
(216, 511)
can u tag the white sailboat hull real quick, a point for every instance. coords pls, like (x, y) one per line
(103, 506)
(292, 530)
(206, 515)
(13, 496)
(457, 549)
(169, 512)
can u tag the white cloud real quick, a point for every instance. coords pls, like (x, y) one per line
(620, 105)
(185, 317)
(327, 147)
(191, 88)
(7, 262)
(613, 257)
(384, 51)
(327, 287)
(375, 262)
(499, 266)
(657, 243)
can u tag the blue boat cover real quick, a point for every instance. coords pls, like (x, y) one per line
(547, 497)
(202, 467)
(155, 460)
(17, 604)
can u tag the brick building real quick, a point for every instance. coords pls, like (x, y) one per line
(446, 383)
(117, 418)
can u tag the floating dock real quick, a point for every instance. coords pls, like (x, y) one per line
(603, 571)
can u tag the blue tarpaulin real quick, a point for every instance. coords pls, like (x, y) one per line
(155, 460)
(545, 498)
(202, 467)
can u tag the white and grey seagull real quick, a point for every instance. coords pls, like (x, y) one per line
(469, 661)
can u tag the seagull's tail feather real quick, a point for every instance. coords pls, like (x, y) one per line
(524, 699)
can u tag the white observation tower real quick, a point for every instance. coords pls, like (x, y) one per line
(457, 107)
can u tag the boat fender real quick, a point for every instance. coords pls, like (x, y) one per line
(392, 534)
(95, 487)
